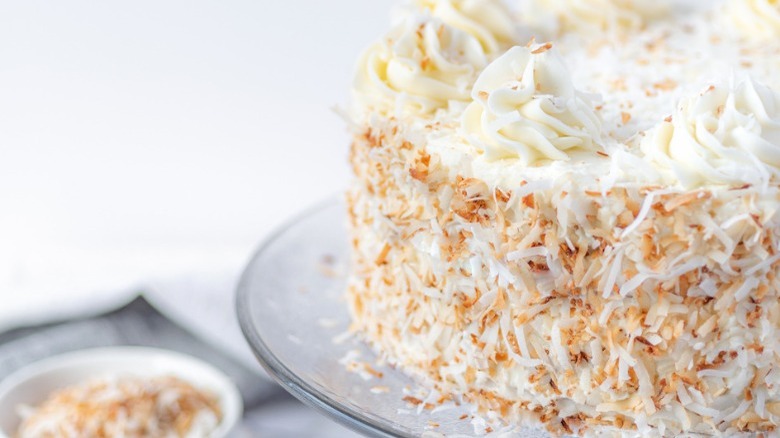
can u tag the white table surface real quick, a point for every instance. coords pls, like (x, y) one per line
(147, 141)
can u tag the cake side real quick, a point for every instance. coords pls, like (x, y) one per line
(633, 315)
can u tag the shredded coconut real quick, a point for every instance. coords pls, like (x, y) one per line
(124, 406)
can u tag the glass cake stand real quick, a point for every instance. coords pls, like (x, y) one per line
(292, 311)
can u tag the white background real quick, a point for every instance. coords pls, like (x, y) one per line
(151, 139)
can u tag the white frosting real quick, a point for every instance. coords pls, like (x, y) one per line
(526, 107)
(634, 83)
(420, 66)
(594, 15)
(489, 21)
(729, 134)
(755, 19)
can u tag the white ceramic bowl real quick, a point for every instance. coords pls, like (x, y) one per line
(32, 384)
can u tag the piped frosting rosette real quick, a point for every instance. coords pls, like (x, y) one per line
(420, 66)
(754, 19)
(526, 107)
(728, 134)
(489, 21)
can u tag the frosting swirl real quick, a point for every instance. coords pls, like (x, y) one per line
(489, 21)
(597, 14)
(526, 107)
(729, 134)
(756, 19)
(421, 65)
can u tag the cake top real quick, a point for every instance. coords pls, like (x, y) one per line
(670, 93)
